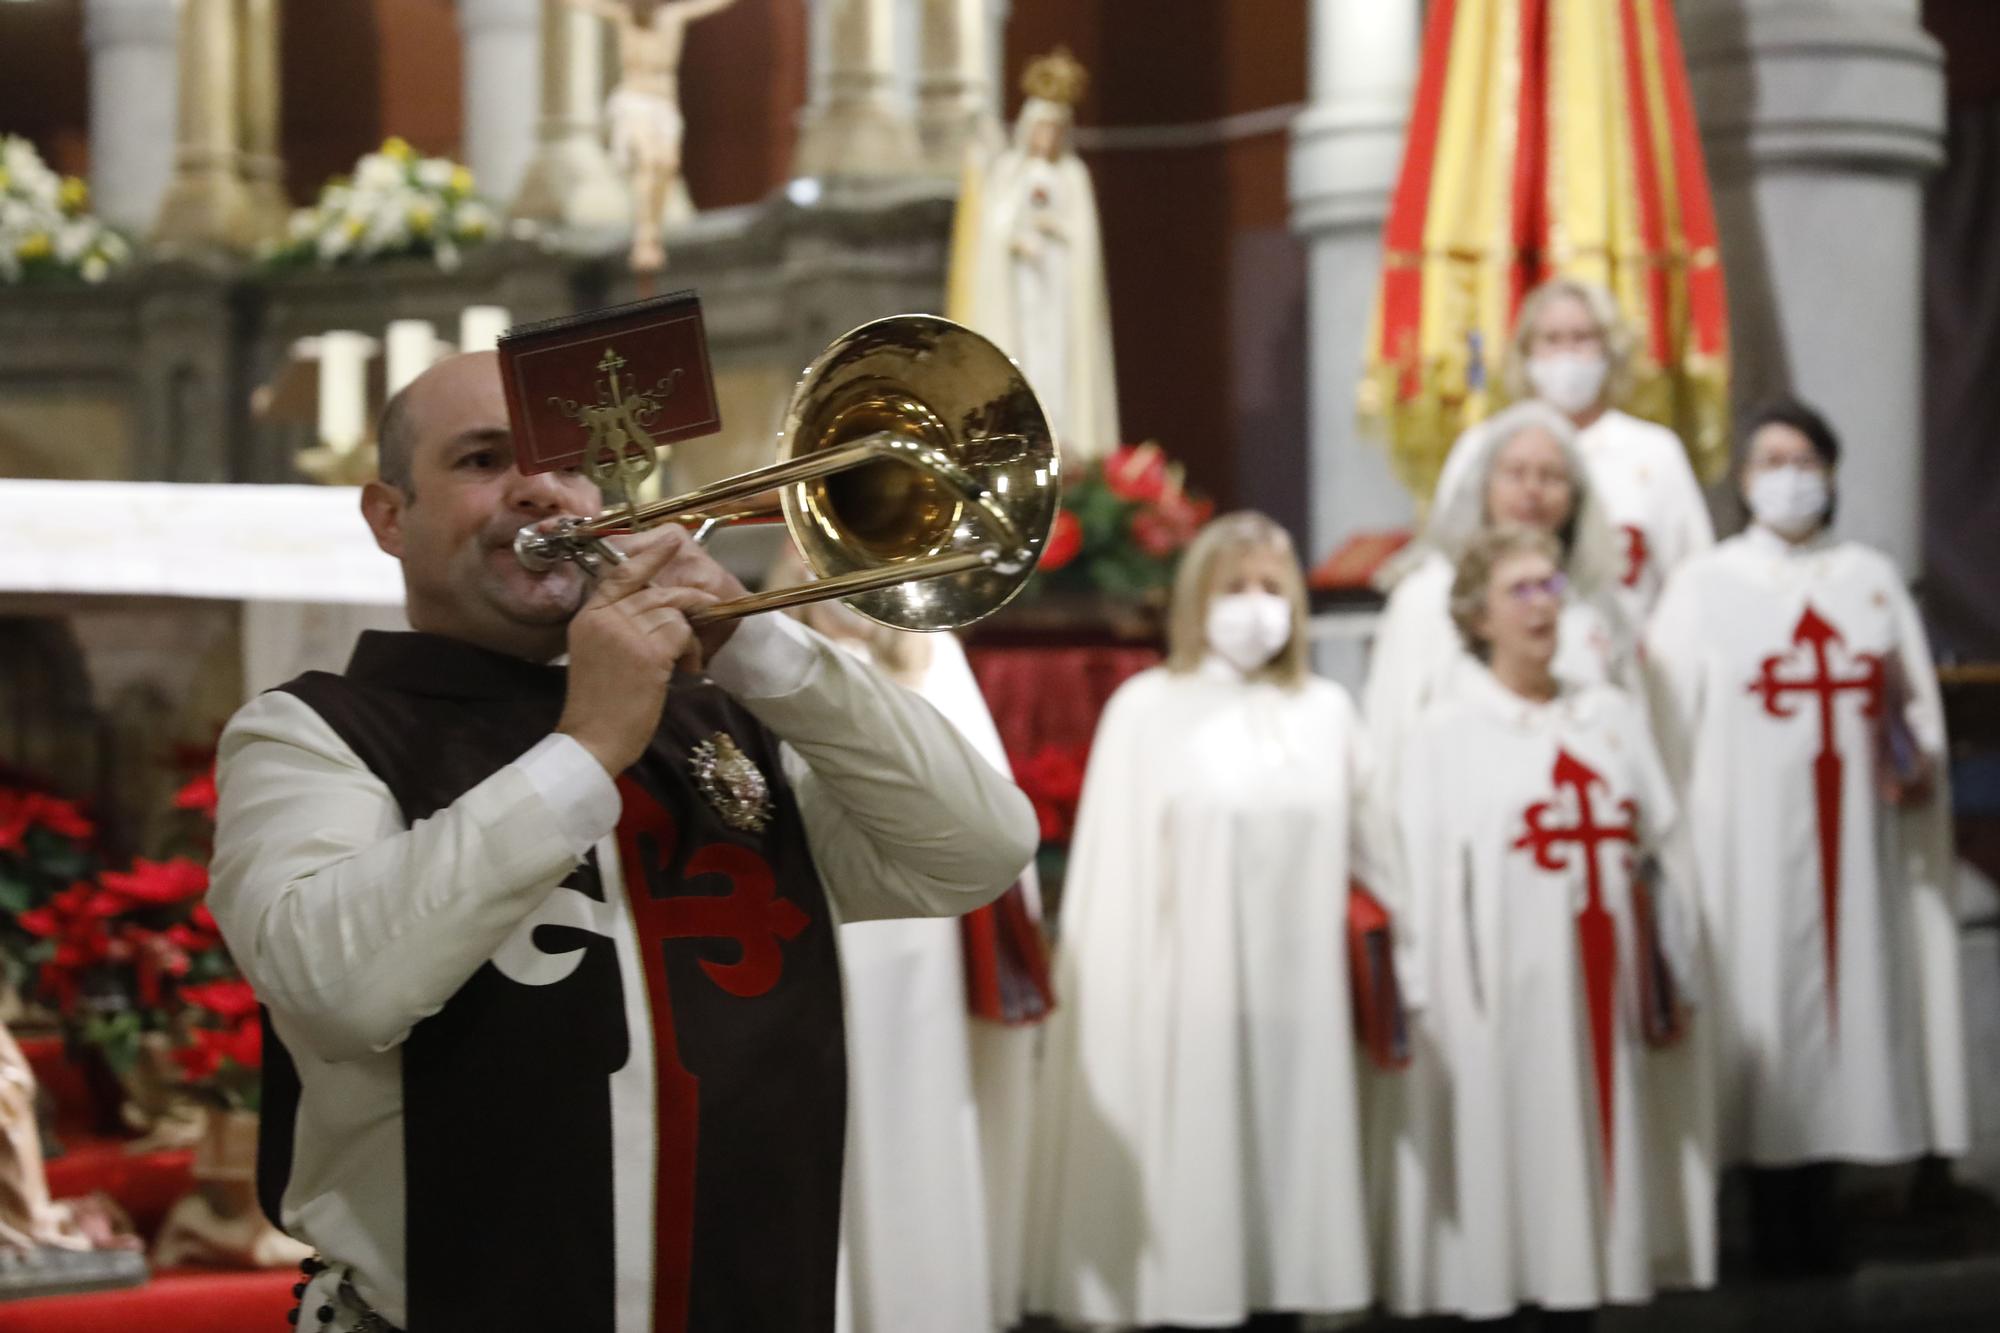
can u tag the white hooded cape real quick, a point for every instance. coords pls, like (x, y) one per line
(939, 1106)
(1641, 472)
(1844, 1032)
(1198, 1148)
(1502, 1188)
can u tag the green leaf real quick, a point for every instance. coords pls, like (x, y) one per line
(117, 1035)
(16, 895)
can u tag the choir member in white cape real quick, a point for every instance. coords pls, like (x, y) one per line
(1553, 1164)
(939, 1102)
(1572, 351)
(1796, 702)
(1521, 466)
(1197, 1148)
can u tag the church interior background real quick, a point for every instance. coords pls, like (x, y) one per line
(1245, 155)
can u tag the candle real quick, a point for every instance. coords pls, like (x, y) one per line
(343, 388)
(480, 327)
(412, 347)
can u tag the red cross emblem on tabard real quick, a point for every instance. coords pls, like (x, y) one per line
(1596, 935)
(1637, 553)
(1818, 636)
(758, 921)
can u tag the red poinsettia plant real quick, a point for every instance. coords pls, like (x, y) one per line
(1124, 521)
(45, 846)
(1052, 778)
(123, 954)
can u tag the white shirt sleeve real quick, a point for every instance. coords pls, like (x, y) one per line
(904, 816)
(355, 926)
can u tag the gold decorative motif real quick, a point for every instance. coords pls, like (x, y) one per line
(732, 783)
(621, 453)
(1056, 77)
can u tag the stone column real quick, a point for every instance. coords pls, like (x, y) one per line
(134, 53)
(958, 102)
(207, 206)
(1821, 119)
(857, 123)
(570, 181)
(260, 98)
(1347, 147)
(502, 45)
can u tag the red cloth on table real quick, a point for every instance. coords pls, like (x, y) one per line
(184, 1300)
(146, 1185)
(1052, 696)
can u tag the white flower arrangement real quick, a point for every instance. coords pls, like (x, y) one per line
(46, 230)
(397, 205)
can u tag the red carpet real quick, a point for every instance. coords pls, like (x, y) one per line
(181, 1301)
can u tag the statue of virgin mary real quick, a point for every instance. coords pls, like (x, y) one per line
(1028, 268)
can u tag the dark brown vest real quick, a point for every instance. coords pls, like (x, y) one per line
(507, 1105)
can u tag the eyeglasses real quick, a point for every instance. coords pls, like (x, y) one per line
(1553, 587)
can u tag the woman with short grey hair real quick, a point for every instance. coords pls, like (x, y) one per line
(1555, 1146)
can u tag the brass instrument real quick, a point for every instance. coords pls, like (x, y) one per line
(916, 474)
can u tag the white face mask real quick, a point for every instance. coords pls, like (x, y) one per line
(1568, 381)
(1246, 629)
(1791, 501)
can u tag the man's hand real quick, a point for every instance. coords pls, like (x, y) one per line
(624, 646)
(688, 566)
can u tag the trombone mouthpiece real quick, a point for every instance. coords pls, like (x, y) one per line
(538, 551)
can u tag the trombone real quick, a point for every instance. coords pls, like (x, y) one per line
(916, 474)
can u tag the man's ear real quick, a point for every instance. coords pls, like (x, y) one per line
(382, 505)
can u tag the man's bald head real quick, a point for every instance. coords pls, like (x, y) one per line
(412, 412)
(449, 503)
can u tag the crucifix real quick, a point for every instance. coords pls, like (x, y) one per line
(644, 109)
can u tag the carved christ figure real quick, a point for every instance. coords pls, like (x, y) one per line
(645, 108)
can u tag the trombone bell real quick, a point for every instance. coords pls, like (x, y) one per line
(917, 476)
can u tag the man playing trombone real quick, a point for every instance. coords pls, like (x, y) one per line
(546, 947)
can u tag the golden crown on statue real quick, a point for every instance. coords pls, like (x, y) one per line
(1056, 77)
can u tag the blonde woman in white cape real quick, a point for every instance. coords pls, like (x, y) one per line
(1038, 286)
(1197, 1145)
(1522, 467)
(1552, 1157)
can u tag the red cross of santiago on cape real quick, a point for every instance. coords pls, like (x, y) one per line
(759, 922)
(1817, 636)
(1637, 553)
(1596, 934)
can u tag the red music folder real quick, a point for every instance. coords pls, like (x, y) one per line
(626, 376)
(1662, 1010)
(1381, 1023)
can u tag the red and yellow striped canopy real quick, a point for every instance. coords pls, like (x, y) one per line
(1549, 137)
